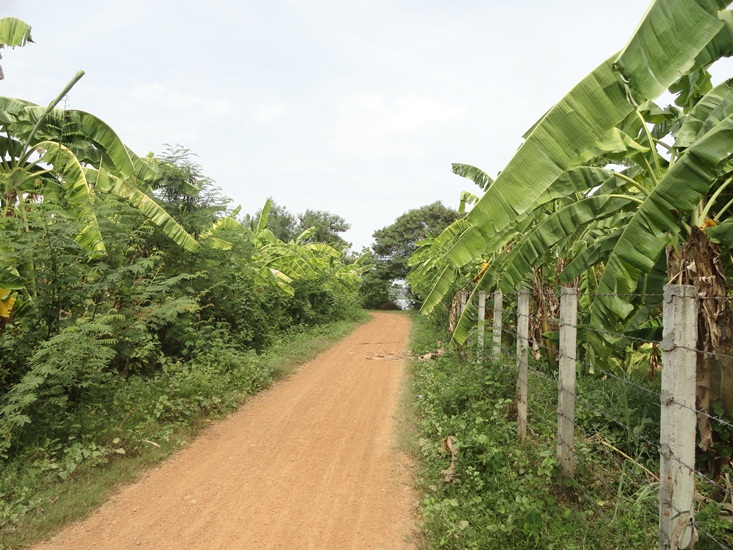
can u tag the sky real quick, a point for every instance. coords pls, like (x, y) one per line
(356, 108)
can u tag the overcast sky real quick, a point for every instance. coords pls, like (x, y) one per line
(358, 108)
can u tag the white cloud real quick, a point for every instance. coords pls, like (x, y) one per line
(219, 107)
(371, 126)
(154, 93)
(268, 112)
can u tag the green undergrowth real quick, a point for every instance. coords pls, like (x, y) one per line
(78, 459)
(510, 494)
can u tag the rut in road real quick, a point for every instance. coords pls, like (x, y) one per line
(309, 463)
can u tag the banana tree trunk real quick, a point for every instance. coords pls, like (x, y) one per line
(697, 262)
(548, 311)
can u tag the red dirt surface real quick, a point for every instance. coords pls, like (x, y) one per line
(310, 463)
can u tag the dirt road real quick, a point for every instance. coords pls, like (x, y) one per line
(310, 463)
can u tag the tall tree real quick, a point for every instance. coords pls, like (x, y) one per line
(395, 244)
(327, 227)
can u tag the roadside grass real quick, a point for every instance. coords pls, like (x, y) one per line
(506, 493)
(146, 422)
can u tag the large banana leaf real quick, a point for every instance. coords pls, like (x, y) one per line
(722, 233)
(270, 276)
(288, 261)
(79, 128)
(467, 199)
(11, 109)
(509, 271)
(556, 227)
(594, 106)
(428, 263)
(10, 279)
(579, 179)
(264, 216)
(146, 171)
(147, 206)
(7, 301)
(614, 145)
(721, 45)
(712, 108)
(644, 238)
(665, 45)
(98, 132)
(324, 249)
(441, 286)
(350, 280)
(469, 317)
(476, 175)
(462, 238)
(14, 32)
(77, 192)
(224, 222)
(305, 235)
(594, 254)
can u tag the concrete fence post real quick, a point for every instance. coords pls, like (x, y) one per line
(481, 323)
(497, 326)
(566, 380)
(677, 430)
(522, 361)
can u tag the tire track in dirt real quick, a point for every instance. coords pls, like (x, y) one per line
(308, 464)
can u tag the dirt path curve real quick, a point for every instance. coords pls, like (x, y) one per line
(310, 463)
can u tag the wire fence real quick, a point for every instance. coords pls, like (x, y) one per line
(668, 438)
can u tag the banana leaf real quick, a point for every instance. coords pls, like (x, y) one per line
(476, 175)
(650, 230)
(14, 32)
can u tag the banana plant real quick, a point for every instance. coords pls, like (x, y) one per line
(69, 156)
(673, 38)
(75, 154)
(279, 263)
(667, 201)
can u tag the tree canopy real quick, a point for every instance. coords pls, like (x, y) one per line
(327, 227)
(394, 244)
(286, 226)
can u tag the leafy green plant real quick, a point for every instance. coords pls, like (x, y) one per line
(64, 371)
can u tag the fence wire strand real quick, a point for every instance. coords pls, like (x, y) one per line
(542, 408)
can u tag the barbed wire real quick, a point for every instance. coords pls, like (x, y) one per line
(704, 414)
(716, 298)
(539, 405)
(635, 385)
(637, 339)
(630, 429)
(699, 527)
(620, 294)
(595, 368)
(539, 408)
(701, 351)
